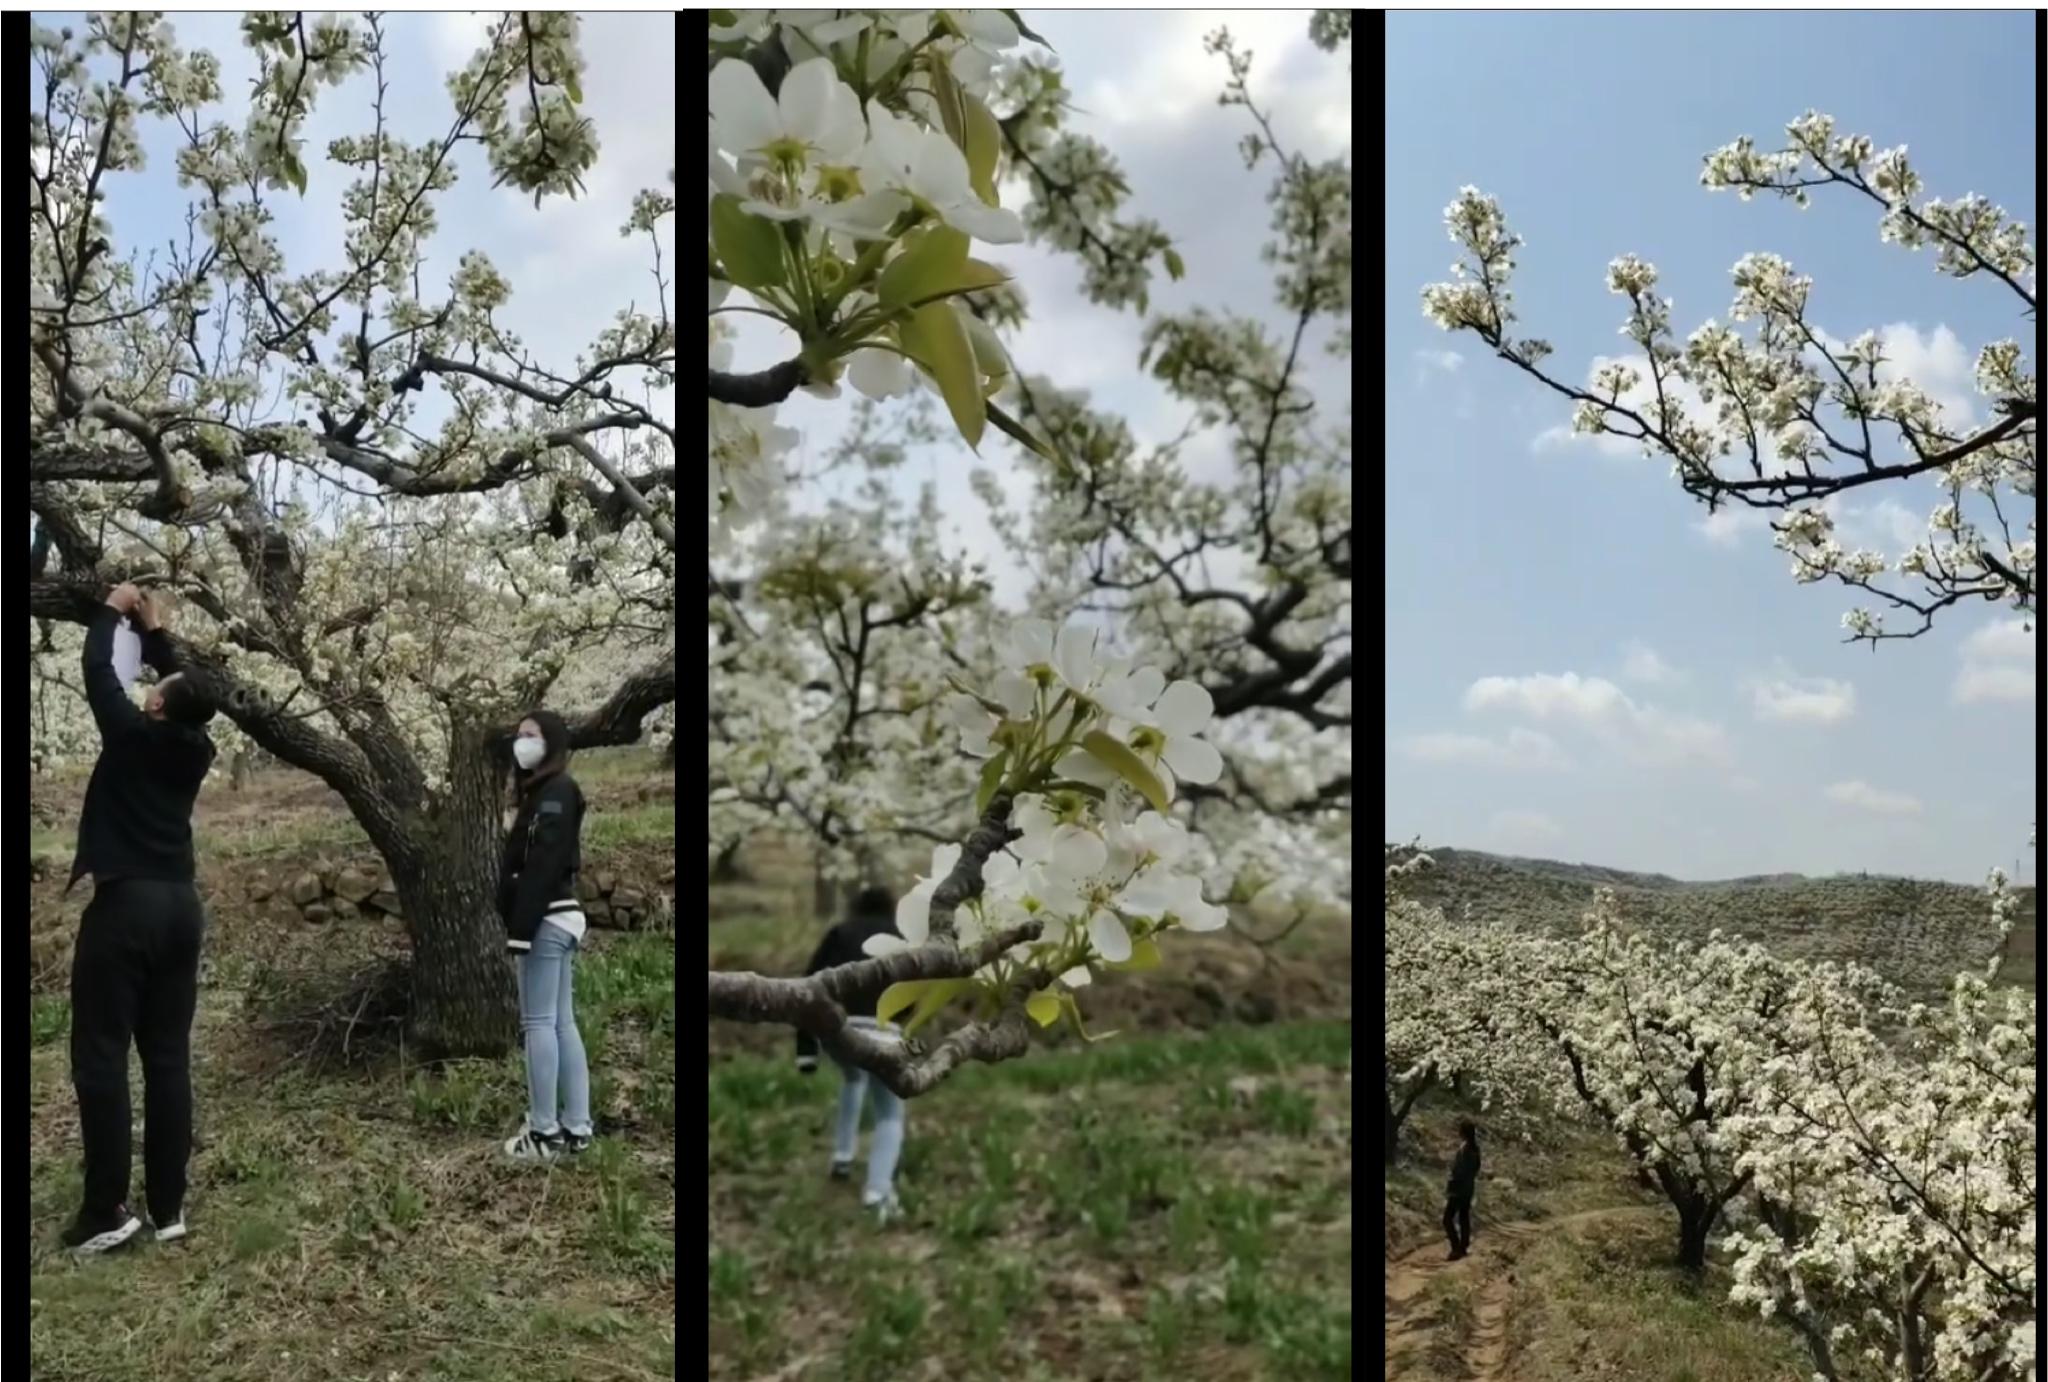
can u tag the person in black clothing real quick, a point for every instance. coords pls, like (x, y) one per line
(1458, 1194)
(544, 927)
(872, 914)
(135, 969)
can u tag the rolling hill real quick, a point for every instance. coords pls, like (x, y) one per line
(1914, 932)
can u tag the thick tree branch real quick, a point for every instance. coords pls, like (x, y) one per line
(763, 390)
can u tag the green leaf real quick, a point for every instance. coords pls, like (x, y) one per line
(1016, 432)
(950, 99)
(1024, 30)
(931, 264)
(295, 173)
(983, 148)
(1174, 267)
(976, 276)
(935, 338)
(1114, 754)
(748, 245)
(941, 992)
(570, 85)
(1044, 1008)
(897, 997)
(991, 778)
(1144, 955)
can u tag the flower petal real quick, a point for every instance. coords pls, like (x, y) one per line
(1028, 642)
(1183, 708)
(1106, 932)
(1073, 652)
(878, 373)
(995, 225)
(744, 116)
(812, 105)
(914, 913)
(1078, 853)
(1193, 760)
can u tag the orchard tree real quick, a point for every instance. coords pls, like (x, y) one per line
(1873, 1162)
(390, 526)
(857, 167)
(1800, 419)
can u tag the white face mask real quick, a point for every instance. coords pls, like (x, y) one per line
(528, 752)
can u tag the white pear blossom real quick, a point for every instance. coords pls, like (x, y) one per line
(926, 166)
(914, 908)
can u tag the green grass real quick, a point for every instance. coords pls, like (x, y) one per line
(363, 1227)
(1071, 1222)
(618, 827)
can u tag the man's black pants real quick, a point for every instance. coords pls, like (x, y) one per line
(135, 977)
(1458, 1222)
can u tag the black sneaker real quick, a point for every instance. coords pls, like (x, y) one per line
(842, 1170)
(574, 1143)
(89, 1238)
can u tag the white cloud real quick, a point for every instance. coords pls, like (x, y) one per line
(1725, 526)
(1644, 733)
(1979, 682)
(1886, 526)
(1937, 361)
(1802, 700)
(1444, 361)
(1526, 826)
(1865, 797)
(1521, 748)
(1641, 663)
(1998, 664)
(2006, 640)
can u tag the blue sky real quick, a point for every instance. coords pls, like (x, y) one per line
(569, 268)
(1664, 695)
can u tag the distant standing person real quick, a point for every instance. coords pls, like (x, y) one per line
(1458, 1194)
(872, 914)
(544, 926)
(135, 969)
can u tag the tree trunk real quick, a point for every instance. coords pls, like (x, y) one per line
(238, 771)
(1695, 1217)
(462, 989)
(726, 867)
(1396, 1116)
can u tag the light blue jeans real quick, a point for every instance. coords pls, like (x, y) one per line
(555, 1064)
(859, 1088)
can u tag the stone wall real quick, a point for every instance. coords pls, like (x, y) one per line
(347, 892)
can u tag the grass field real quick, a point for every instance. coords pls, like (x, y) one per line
(1172, 1203)
(1570, 1275)
(355, 1225)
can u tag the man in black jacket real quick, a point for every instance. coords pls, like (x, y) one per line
(135, 969)
(872, 914)
(1458, 1194)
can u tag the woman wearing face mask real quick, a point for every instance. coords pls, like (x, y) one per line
(544, 925)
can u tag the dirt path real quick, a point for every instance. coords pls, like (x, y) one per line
(1490, 1268)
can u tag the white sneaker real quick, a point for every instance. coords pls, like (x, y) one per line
(886, 1212)
(530, 1146)
(171, 1232)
